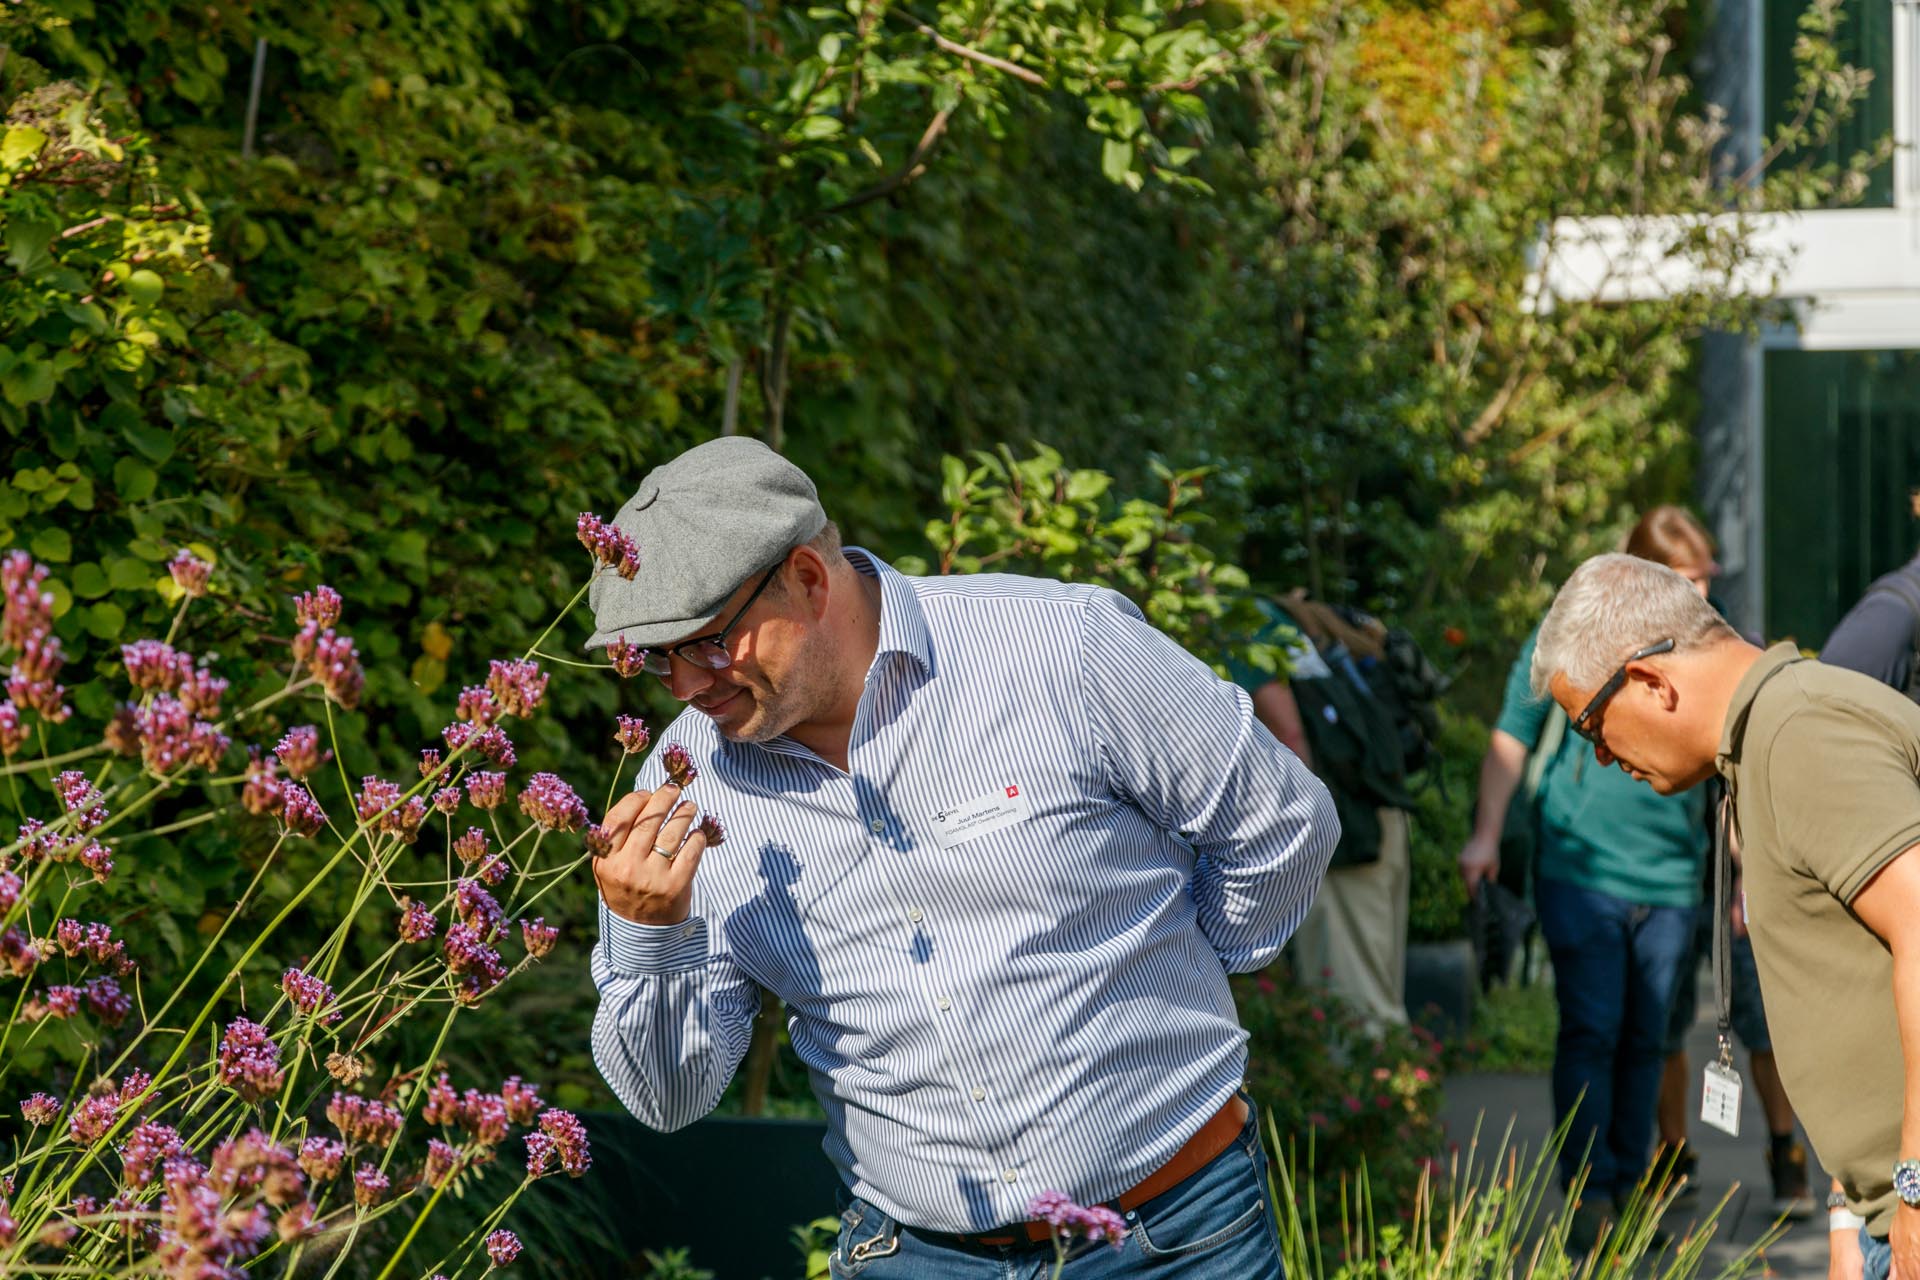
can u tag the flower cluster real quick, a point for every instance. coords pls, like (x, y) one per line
(330, 657)
(93, 942)
(390, 808)
(169, 736)
(26, 625)
(154, 664)
(631, 733)
(309, 994)
(321, 1158)
(319, 607)
(517, 687)
(491, 742)
(539, 936)
(250, 1060)
(369, 1186)
(486, 790)
(478, 964)
(417, 922)
(609, 545)
(364, 1121)
(299, 751)
(476, 908)
(711, 828)
(502, 1247)
(678, 763)
(190, 573)
(561, 1135)
(1068, 1219)
(552, 804)
(628, 660)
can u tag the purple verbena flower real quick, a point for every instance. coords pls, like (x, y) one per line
(476, 706)
(11, 886)
(309, 994)
(13, 734)
(470, 846)
(146, 1147)
(552, 804)
(39, 1110)
(484, 1115)
(98, 859)
(369, 1186)
(201, 692)
(63, 1001)
(319, 607)
(493, 870)
(711, 827)
(487, 790)
(81, 799)
(446, 801)
(443, 1102)
(430, 761)
(631, 733)
(417, 923)
(628, 660)
(154, 664)
(109, 1003)
(300, 811)
(678, 763)
(517, 687)
(321, 1158)
(476, 908)
(523, 1100)
(1096, 1222)
(250, 1060)
(599, 840)
(443, 1161)
(609, 545)
(569, 1140)
(467, 953)
(91, 1120)
(540, 1152)
(363, 1120)
(262, 793)
(539, 936)
(190, 573)
(503, 1247)
(336, 665)
(299, 751)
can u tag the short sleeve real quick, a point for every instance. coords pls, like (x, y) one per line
(1521, 714)
(1842, 793)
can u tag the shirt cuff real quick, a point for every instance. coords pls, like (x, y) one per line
(642, 950)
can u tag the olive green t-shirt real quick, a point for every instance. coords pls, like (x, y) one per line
(1826, 789)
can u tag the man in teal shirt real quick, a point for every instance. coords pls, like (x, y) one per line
(1617, 888)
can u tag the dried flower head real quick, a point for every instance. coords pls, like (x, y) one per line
(446, 801)
(711, 827)
(345, 1067)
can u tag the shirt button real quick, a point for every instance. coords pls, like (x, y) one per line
(1011, 1175)
(877, 825)
(916, 915)
(944, 1003)
(979, 1094)
(687, 930)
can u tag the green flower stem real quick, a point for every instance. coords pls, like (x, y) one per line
(571, 662)
(558, 618)
(406, 1240)
(184, 823)
(51, 762)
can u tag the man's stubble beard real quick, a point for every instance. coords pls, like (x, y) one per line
(802, 693)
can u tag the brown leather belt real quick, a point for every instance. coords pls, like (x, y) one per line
(1213, 1137)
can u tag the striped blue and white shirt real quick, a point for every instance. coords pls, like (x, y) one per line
(1003, 935)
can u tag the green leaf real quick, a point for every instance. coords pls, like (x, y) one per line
(1116, 159)
(106, 620)
(814, 128)
(27, 382)
(155, 442)
(134, 480)
(27, 245)
(129, 574)
(52, 544)
(90, 580)
(22, 143)
(144, 287)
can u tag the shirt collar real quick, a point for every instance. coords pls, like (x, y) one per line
(1742, 702)
(903, 625)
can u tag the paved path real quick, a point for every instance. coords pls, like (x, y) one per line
(1725, 1163)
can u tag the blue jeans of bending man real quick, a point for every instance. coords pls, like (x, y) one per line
(1615, 966)
(1217, 1224)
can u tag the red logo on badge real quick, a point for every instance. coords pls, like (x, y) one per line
(1012, 792)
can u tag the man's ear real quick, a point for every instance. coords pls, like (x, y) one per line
(810, 577)
(1654, 681)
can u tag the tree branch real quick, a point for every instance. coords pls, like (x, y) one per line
(915, 166)
(959, 50)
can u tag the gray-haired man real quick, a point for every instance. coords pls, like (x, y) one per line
(1823, 769)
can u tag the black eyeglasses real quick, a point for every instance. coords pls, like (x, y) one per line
(707, 652)
(1584, 725)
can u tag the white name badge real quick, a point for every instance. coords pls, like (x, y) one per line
(982, 817)
(1720, 1099)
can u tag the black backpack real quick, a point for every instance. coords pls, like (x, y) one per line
(1364, 719)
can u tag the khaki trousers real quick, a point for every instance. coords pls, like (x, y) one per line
(1355, 937)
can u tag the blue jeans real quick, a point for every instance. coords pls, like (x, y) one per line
(1876, 1257)
(1218, 1223)
(1615, 965)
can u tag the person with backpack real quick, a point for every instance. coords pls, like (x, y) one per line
(1617, 888)
(1352, 710)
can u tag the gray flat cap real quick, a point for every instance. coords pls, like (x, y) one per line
(705, 522)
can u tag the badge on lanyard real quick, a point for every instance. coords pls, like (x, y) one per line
(1720, 1095)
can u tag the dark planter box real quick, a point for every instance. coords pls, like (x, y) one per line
(729, 1190)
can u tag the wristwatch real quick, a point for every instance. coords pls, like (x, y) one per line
(1836, 1200)
(1906, 1182)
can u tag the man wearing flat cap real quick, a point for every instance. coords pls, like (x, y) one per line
(995, 841)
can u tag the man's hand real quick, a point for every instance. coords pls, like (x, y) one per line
(639, 882)
(1844, 1261)
(1480, 860)
(1905, 1239)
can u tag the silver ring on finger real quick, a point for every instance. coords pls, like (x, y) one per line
(668, 854)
